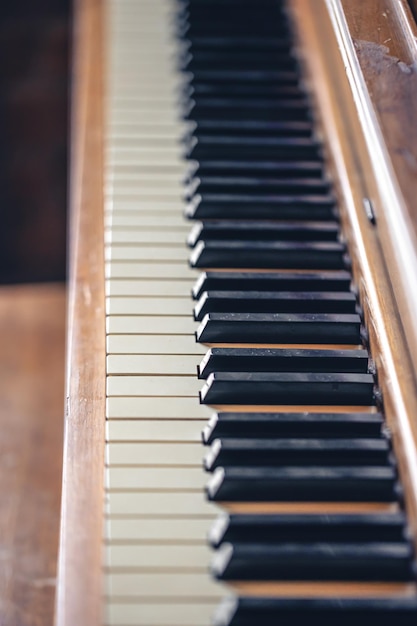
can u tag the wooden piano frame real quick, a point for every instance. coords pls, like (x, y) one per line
(373, 161)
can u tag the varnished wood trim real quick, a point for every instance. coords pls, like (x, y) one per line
(352, 166)
(79, 584)
(324, 589)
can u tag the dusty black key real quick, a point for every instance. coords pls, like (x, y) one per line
(279, 328)
(378, 562)
(197, 59)
(237, 108)
(282, 360)
(283, 169)
(242, 89)
(225, 44)
(274, 302)
(234, 147)
(257, 77)
(263, 230)
(304, 528)
(268, 425)
(269, 611)
(248, 206)
(302, 484)
(247, 128)
(269, 254)
(254, 185)
(288, 388)
(271, 281)
(229, 230)
(296, 452)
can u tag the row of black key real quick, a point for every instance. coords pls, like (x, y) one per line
(277, 272)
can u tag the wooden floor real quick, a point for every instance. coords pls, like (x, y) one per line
(32, 327)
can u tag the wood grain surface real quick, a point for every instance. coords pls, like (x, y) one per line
(79, 587)
(32, 339)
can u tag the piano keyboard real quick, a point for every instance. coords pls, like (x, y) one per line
(212, 110)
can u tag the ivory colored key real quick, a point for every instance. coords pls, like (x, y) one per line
(148, 306)
(170, 386)
(145, 237)
(191, 613)
(154, 344)
(153, 430)
(167, 288)
(171, 558)
(139, 453)
(148, 504)
(148, 254)
(151, 585)
(132, 269)
(138, 478)
(164, 364)
(156, 407)
(145, 324)
(144, 530)
(123, 220)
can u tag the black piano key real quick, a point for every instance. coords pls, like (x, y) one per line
(235, 108)
(282, 360)
(228, 230)
(305, 528)
(302, 484)
(272, 281)
(268, 425)
(257, 302)
(296, 452)
(254, 185)
(247, 206)
(197, 89)
(282, 169)
(269, 254)
(288, 388)
(235, 147)
(198, 58)
(327, 611)
(225, 44)
(365, 561)
(225, 76)
(247, 128)
(276, 328)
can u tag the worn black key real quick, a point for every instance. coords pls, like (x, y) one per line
(197, 59)
(224, 44)
(282, 360)
(269, 254)
(378, 562)
(254, 185)
(237, 108)
(282, 169)
(257, 302)
(288, 388)
(234, 147)
(257, 77)
(263, 230)
(198, 89)
(305, 528)
(271, 281)
(303, 484)
(250, 206)
(296, 452)
(328, 611)
(273, 328)
(268, 425)
(248, 128)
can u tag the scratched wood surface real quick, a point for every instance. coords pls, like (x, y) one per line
(32, 338)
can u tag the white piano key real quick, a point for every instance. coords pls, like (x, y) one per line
(174, 305)
(148, 237)
(156, 408)
(158, 385)
(149, 254)
(162, 364)
(136, 220)
(167, 453)
(154, 344)
(148, 324)
(148, 504)
(155, 478)
(132, 269)
(171, 557)
(125, 530)
(144, 206)
(192, 613)
(153, 585)
(142, 288)
(156, 430)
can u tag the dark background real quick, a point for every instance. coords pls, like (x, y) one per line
(34, 96)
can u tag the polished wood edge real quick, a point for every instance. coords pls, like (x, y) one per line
(352, 166)
(323, 589)
(79, 582)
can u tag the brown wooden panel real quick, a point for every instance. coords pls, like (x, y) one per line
(79, 583)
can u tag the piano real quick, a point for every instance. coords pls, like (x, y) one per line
(240, 431)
